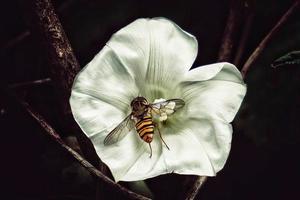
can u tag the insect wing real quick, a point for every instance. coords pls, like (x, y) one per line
(179, 103)
(120, 131)
(168, 105)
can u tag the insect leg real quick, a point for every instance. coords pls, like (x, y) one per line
(161, 137)
(150, 150)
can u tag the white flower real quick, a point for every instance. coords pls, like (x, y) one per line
(152, 58)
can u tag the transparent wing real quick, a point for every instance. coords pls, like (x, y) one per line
(120, 131)
(171, 105)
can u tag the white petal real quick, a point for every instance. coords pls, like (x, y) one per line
(213, 92)
(107, 80)
(218, 71)
(157, 52)
(199, 146)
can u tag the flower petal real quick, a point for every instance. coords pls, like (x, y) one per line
(157, 52)
(213, 92)
(218, 71)
(107, 80)
(199, 146)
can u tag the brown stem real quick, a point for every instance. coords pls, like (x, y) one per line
(196, 187)
(63, 69)
(245, 33)
(267, 38)
(63, 63)
(230, 30)
(30, 83)
(56, 137)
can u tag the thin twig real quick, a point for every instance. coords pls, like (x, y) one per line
(196, 187)
(268, 37)
(245, 34)
(30, 83)
(230, 30)
(16, 40)
(55, 136)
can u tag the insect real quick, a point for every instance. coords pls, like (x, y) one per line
(141, 117)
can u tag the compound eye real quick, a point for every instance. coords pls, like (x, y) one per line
(134, 102)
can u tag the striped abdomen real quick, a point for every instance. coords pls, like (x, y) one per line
(145, 128)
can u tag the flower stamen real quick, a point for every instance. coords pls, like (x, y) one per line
(162, 114)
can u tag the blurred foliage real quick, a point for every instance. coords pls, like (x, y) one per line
(264, 160)
(291, 58)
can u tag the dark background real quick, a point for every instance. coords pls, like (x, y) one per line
(264, 161)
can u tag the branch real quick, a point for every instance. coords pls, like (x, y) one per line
(230, 30)
(245, 32)
(64, 67)
(30, 83)
(55, 137)
(196, 187)
(268, 37)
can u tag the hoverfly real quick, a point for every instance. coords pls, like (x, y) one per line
(141, 117)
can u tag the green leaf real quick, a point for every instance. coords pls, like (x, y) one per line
(291, 58)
